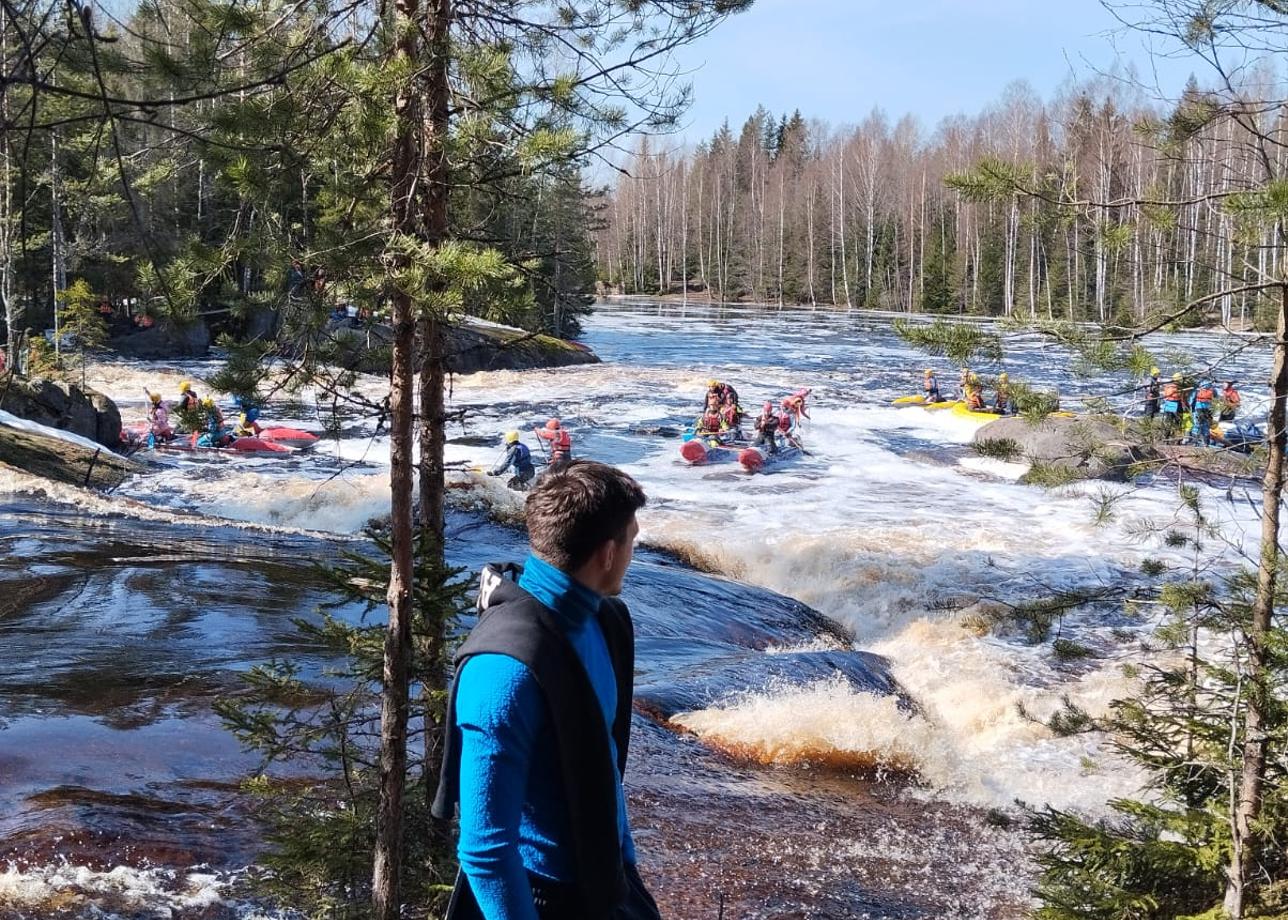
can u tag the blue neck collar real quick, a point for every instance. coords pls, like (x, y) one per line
(558, 590)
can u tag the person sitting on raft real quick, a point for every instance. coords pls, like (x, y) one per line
(767, 428)
(248, 423)
(1201, 412)
(794, 408)
(722, 390)
(726, 396)
(1171, 405)
(930, 386)
(710, 422)
(963, 383)
(1230, 400)
(730, 413)
(517, 457)
(216, 435)
(560, 443)
(159, 416)
(189, 401)
(975, 395)
(1002, 404)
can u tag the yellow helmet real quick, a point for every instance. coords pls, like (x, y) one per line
(185, 386)
(712, 384)
(155, 397)
(511, 437)
(1177, 377)
(1002, 377)
(1153, 372)
(208, 402)
(972, 377)
(930, 372)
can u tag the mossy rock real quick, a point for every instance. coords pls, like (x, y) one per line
(63, 461)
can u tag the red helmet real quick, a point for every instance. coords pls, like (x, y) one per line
(552, 425)
(769, 407)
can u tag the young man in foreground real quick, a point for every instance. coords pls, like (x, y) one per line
(539, 716)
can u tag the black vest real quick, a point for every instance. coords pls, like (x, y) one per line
(512, 622)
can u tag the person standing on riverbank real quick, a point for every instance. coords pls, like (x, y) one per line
(1171, 405)
(539, 716)
(1230, 400)
(1153, 393)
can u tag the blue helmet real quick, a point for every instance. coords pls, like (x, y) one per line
(252, 414)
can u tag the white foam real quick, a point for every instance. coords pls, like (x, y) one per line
(122, 891)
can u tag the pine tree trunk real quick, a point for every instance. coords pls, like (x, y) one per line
(433, 369)
(387, 865)
(1250, 793)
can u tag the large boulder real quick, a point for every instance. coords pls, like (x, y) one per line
(167, 339)
(63, 460)
(63, 405)
(1080, 448)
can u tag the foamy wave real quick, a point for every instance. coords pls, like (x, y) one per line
(976, 738)
(101, 505)
(824, 722)
(342, 505)
(123, 891)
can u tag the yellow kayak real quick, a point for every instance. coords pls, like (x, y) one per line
(909, 401)
(946, 404)
(959, 408)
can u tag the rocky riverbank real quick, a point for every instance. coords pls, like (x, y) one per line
(60, 431)
(1100, 447)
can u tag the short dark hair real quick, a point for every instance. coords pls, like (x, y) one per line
(573, 511)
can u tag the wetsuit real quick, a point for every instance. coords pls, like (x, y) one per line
(1153, 392)
(931, 387)
(518, 457)
(1171, 406)
(1201, 412)
(767, 432)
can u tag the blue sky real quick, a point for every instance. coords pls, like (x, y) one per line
(837, 59)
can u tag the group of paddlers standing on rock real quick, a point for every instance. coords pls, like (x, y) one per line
(1197, 400)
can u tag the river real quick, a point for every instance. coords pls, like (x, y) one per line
(832, 733)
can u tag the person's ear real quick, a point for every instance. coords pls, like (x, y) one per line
(608, 555)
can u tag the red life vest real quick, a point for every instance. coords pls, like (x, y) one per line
(560, 439)
(1232, 397)
(1171, 391)
(1205, 394)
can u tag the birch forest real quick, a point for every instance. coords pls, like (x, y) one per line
(881, 215)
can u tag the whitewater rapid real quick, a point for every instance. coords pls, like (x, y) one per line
(890, 527)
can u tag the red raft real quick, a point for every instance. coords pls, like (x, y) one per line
(708, 447)
(787, 438)
(269, 441)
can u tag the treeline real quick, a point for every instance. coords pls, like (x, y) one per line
(885, 216)
(183, 164)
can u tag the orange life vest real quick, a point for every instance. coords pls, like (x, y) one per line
(1205, 394)
(559, 439)
(1172, 391)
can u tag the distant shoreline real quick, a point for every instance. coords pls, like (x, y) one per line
(702, 299)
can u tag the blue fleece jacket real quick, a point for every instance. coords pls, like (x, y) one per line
(514, 816)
